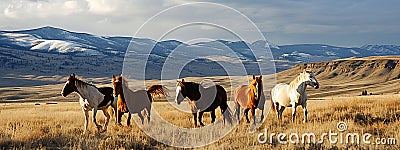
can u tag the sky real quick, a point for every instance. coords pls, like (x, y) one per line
(351, 23)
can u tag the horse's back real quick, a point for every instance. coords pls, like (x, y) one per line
(137, 100)
(241, 96)
(280, 94)
(108, 96)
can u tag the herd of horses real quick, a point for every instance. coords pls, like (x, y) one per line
(201, 99)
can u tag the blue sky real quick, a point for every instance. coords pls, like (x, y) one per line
(334, 22)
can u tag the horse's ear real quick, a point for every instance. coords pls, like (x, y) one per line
(254, 77)
(260, 76)
(183, 80)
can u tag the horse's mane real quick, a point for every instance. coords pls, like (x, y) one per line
(190, 84)
(157, 90)
(293, 83)
(82, 84)
(123, 80)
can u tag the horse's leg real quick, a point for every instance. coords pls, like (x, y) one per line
(119, 116)
(213, 116)
(305, 112)
(246, 113)
(224, 107)
(253, 113)
(262, 115)
(195, 119)
(293, 112)
(107, 115)
(115, 113)
(148, 113)
(141, 116)
(200, 117)
(94, 118)
(279, 111)
(128, 120)
(237, 112)
(86, 113)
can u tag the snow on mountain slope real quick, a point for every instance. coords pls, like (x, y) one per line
(64, 47)
(55, 40)
(25, 40)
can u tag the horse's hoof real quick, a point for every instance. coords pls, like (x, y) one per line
(248, 121)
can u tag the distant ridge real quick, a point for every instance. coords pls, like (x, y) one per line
(376, 74)
(57, 41)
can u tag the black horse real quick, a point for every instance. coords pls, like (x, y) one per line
(203, 100)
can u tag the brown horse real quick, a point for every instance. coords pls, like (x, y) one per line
(199, 100)
(248, 96)
(90, 98)
(136, 99)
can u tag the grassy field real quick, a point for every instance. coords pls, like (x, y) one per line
(36, 116)
(25, 125)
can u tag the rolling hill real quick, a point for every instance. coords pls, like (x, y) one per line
(377, 75)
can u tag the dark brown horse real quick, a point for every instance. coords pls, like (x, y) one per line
(90, 98)
(203, 100)
(248, 96)
(137, 101)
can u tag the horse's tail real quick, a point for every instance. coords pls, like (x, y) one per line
(157, 90)
(226, 112)
(235, 98)
(272, 102)
(227, 115)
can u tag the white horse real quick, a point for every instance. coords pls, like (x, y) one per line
(293, 94)
(90, 98)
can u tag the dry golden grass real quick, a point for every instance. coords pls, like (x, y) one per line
(25, 125)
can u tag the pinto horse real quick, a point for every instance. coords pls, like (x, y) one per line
(293, 94)
(199, 100)
(134, 101)
(248, 96)
(90, 98)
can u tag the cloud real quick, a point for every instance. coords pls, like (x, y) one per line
(102, 6)
(289, 21)
(26, 9)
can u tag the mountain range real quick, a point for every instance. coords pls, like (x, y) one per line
(56, 41)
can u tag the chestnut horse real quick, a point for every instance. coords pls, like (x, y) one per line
(134, 101)
(248, 96)
(90, 98)
(199, 100)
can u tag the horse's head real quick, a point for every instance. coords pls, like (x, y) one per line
(179, 91)
(117, 85)
(257, 82)
(69, 86)
(310, 79)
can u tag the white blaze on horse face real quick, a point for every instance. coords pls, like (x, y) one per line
(179, 98)
(62, 91)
